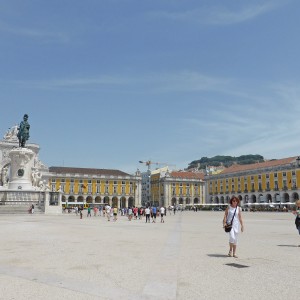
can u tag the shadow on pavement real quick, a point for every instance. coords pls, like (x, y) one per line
(217, 255)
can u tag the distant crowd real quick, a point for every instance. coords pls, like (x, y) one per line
(149, 213)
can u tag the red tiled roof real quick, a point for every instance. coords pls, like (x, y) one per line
(187, 175)
(71, 170)
(262, 165)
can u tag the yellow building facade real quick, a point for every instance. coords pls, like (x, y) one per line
(177, 188)
(82, 186)
(274, 182)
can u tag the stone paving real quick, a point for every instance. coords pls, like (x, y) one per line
(63, 257)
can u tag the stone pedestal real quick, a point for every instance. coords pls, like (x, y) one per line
(20, 170)
(54, 208)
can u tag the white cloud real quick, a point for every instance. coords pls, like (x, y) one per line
(32, 33)
(220, 15)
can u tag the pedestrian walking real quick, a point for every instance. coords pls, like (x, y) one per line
(89, 212)
(107, 211)
(147, 213)
(162, 213)
(115, 212)
(154, 210)
(296, 212)
(130, 213)
(95, 211)
(233, 215)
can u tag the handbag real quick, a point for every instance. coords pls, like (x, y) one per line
(228, 227)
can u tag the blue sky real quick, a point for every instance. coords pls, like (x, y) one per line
(108, 83)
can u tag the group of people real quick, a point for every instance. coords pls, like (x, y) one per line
(233, 217)
(134, 213)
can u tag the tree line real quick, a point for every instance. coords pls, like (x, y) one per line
(226, 161)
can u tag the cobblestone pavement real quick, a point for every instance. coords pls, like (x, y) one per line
(63, 257)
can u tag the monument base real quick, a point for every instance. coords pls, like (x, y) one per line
(21, 169)
(46, 202)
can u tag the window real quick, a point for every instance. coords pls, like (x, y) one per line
(123, 189)
(123, 182)
(89, 188)
(284, 183)
(89, 181)
(259, 176)
(115, 189)
(267, 175)
(275, 175)
(115, 182)
(284, 174)
(98, 181)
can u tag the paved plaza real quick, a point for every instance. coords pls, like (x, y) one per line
(63, 257)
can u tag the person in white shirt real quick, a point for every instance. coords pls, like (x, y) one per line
(162, 212)
(147, 213)
(108, 209)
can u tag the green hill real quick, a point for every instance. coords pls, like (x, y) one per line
(226, 161)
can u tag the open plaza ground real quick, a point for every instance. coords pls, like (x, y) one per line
(65, 257)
